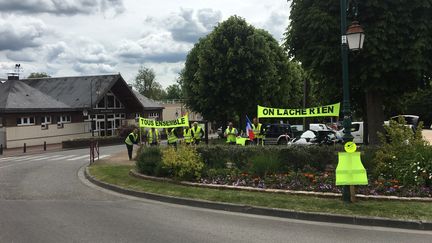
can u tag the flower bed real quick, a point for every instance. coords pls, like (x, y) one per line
(316, 182)
(401, 166)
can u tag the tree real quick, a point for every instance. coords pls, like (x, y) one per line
(235, 68)
(173, 92)
(146, 85)
(39, 75)
(395, 58)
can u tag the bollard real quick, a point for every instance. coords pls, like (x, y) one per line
(25, 149)
(44, 145)
(1, 149)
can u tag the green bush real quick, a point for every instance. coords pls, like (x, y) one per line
(183, 163)
(290, 158)
(264, 164)
(148, 160)
(404, 155)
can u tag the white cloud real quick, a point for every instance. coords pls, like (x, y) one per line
(62, 7)
(154, 47)
(93, 68)
(74, 37)
(17, 32)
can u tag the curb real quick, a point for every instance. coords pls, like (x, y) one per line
(135, 174)
(282, 213)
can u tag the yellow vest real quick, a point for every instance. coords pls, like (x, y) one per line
(231, 135)
(187, 135)
(197, 132)
(172, 138)
(257, 130)
(150, 136)
(128, 141)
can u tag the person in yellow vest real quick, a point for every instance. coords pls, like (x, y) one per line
(258, 130)
(172, 136)
(231, 134)
(153, 137)
(187, 135)
(197, 133)
(130, 140)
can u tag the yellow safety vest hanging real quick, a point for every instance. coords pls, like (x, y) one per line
(350, 170)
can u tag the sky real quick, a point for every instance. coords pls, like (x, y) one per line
(88, 37)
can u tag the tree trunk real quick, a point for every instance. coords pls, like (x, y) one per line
(375, 116)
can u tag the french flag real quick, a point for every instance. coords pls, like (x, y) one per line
(249, 131)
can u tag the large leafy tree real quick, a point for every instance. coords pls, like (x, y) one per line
(146, 84)
(173, 92)
(38, 75)
(235, 68)
(396, 57)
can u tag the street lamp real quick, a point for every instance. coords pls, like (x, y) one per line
(352, 38)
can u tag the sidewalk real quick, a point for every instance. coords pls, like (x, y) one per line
(31, 150)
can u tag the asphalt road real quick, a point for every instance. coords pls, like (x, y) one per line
(46, 199)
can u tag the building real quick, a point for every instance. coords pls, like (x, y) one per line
(177, 108)
(51, 110)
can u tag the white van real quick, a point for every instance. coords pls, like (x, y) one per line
(357, 131)
(317, 127)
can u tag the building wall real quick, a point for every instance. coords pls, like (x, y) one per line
(170, 111)
(10, 120)
(34, 135)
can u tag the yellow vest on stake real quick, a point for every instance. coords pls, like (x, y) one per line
(350, 170)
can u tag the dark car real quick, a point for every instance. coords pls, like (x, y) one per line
(278, 134)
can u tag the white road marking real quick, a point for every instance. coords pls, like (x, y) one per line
(80, 157)
(13, 158)
(63, 157)
(48, 157)
(29, 158)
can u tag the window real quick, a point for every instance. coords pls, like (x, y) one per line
(64, 119)
(25, 121)
(101, 104)
(110, 101)
(153, 115)
(118, 104)
(46, 120)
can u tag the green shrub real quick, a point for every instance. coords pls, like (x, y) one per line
(404, 155)
(148, 160)
(290, 158)
(183, 163)
(266, 163)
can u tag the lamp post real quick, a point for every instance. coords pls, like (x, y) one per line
(351, 38)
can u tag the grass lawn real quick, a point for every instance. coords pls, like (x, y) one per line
(118, 174)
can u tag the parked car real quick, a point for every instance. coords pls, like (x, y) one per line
(326, 137)
(278, 134)
(357, 131)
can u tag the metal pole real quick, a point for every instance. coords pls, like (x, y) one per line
(1, 149)
(25, 148)
(44, 145)
(346, 195)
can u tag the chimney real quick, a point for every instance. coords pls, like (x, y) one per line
(15, 74)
